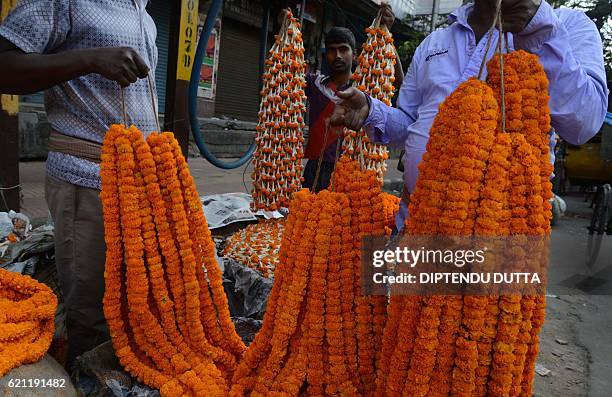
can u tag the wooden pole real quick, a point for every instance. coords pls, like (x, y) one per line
(9, 140)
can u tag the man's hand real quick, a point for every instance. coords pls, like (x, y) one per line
(516, 14)
(120, 64)
(387, 15)
(352, 110)
(282, 15)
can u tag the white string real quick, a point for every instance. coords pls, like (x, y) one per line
(10, 188)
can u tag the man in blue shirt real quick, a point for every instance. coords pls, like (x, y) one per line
(81, 52)
(565, 40)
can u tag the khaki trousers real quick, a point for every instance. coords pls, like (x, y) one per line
(79, 256)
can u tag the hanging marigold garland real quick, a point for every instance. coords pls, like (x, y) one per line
(318, 329)
(531, 142)
(164, 301)
(277, 162)
(375, 76)
(477, 178)
(27, 313)
(367, 220)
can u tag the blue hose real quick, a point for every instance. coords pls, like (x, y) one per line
(211, 16)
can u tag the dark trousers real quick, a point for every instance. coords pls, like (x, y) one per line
(310, 171)
(80, 253)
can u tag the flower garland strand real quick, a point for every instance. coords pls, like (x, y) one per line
(535, 205)
(137, 294)
(197, 361)
(374, 76)
(259, 349)
(477, 178)
(114, 274)
(27, 312)
(203, 243)
(156, 305)
(277, 167)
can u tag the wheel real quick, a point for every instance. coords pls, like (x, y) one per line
(598, 225)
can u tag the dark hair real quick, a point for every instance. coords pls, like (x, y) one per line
(338, 35)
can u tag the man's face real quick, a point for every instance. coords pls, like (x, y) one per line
(516, 14)
(339, 57)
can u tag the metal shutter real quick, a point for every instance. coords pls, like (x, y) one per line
(237, 80)
(161, 11)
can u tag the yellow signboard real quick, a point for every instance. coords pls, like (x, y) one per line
(188, 39)
(7, 6)
(8, 103)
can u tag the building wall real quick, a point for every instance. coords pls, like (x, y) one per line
(424, 7)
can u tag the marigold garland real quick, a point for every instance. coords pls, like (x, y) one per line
(277, 167)
(27, 312)
(169, 326)
(476, 179)
(318, 330)
(257, 246)
(375, 76)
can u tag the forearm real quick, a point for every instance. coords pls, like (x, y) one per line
(22, 73)
(386, 125)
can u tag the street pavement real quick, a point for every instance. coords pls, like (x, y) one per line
(209, 180)
(576, 340)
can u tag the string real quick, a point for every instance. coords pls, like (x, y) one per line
(484, 58)
(153, 103)
(338, 145)
(123, 113)
(320, 162)
(501, 72)
(10, 188)
(376, 22)
(506, 42)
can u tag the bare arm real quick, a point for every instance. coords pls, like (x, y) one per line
(22, 73)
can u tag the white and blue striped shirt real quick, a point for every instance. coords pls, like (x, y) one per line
(86, 106)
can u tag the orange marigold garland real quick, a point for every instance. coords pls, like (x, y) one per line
(257, 246)
(205, 250)
(27, 312)
(317, 332)
(114, 309)
(532, 145)
(374, 76)
(156, 249)
(477, 178)
(277, 161)
(367, 219)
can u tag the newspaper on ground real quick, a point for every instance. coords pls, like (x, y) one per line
(224, 209)
(22, 248)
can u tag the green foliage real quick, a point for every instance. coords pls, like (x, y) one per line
(406, 49)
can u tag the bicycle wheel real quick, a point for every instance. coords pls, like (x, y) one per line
(598, 223)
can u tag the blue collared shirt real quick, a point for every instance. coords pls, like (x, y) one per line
(568, 45)
(86, 106)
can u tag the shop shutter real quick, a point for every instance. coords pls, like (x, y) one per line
(237, 79)
(161, 11)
